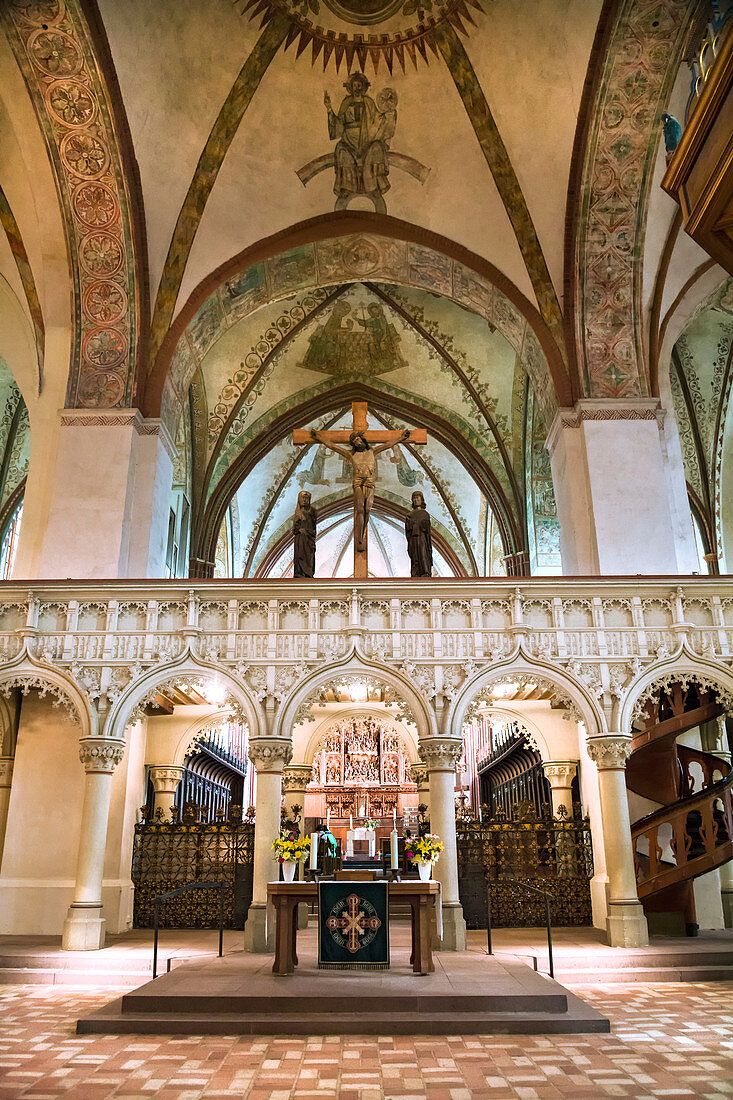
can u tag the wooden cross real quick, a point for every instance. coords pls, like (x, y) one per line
(378, 440)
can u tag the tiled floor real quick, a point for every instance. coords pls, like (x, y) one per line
(667, 1040)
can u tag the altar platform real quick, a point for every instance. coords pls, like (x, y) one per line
(468, 993)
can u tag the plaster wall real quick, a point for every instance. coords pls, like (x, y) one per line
(612, 495)
(168, 735)
(100, 507)
(44, 818)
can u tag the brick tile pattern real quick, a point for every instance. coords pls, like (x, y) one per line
(668, 1040)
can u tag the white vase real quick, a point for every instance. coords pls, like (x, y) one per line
(425, 870)
(288, 866)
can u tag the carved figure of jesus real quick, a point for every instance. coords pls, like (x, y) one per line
(362, 458)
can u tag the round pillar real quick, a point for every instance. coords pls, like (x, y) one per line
(296, 778)
(165, 779)
(560, 775)
(84, 924)
(269, 756)
(6, 780)
(441, 756)
(419, 775)
(626, 923)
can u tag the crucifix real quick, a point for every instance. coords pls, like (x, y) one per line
(361, 457)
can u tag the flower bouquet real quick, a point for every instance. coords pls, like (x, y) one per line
(370, 823)
(424, 851)
(290, 851)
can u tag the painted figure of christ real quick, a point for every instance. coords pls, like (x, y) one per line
(362, 459)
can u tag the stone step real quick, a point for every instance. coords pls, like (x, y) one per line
(151, 1000)
(646, 974)
(578, 1019)
(625, 959)
(15, 975)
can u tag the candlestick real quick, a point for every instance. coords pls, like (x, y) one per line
(394, 817)
(328, 818)
(351, 822)
(314, 852)
(393, 850)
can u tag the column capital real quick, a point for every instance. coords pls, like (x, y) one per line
(101, 754)
(166, 777)
(419, 774)
(440, 754)
(560, 773)
(296, 777)
(6, 770)
(609, 750)
(270, 754)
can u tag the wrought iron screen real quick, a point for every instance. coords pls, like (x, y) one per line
(166, 856)
(554, 854)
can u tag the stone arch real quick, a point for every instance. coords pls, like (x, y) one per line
(26, 673)
(185, 665)
(205, 535)
(410, 745)
(476, 277)
(523, 664)
(186, 738)
(536, 737)
(684, 665)
(356, 663)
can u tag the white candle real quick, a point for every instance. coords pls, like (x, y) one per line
(393, 850)
(394, 817)
(328, 818)
(479, 813)
(314, 852)
(351, 822)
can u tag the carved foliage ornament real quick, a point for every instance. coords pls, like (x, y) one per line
(652, 692)
(440, 754)
(610, 751)
(270, 753)
(99, 754)
(28, 682)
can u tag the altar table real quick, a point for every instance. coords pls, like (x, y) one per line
(286, 896)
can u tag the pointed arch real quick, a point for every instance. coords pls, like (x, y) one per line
(685, 663)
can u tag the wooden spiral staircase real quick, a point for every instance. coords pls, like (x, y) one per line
(692, 831)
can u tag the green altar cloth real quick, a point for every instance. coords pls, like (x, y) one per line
(353, 925)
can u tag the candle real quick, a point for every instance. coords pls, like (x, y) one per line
(351, 822)
(394, 817)
(480, 818)
(314, 852)
(328, 818)
(393, 850)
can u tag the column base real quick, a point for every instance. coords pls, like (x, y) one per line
(259, 931)
(626, 924)
(454, 929)
(84, 929)
(302, 915)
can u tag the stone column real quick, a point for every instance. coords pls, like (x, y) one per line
(560, 775)
(6, 779)
(441, 756)
(84, 924)
(269, 756)
(626, 923)
(296, 778)
(419, 774)
(165, 779)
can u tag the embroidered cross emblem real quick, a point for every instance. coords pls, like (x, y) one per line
(353, 924)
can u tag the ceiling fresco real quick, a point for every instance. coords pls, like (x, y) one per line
(419, 358)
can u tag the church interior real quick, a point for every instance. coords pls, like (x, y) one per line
(366, 538)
